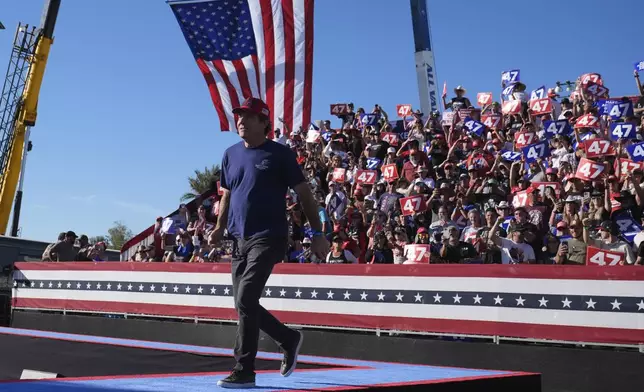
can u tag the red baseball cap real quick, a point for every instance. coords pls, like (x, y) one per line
(254, 105)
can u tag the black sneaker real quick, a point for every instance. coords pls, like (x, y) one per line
(290, 357)
(238, 380)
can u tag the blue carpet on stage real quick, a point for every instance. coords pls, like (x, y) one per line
(354, 373)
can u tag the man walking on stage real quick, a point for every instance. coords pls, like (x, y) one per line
(255, 176)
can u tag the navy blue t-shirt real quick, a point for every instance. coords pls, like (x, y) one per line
(258, 179)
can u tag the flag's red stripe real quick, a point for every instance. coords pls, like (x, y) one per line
(242, 75)
(257, 73)
(232, 92)
(269, 55)
(289, 65)
(308, 62)
(214, 94)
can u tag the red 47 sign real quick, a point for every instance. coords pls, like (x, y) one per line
(412, 204)
(492, 121)
(525, 138)
(540, 107)
(219, 190)
(598, 147)
(418, 253)
(522, 199)
(596, 256)
(541, 187)
(403, 110)
(589, 170)
(587, 121)
(339, 175)
(483, 99)
(511, 107)
(366, 177)
(626, 166)
(339, 109)
(591, 78)
(389, 172)
(390, 137)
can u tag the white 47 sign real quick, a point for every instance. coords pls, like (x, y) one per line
(418, 253)
(596, 256)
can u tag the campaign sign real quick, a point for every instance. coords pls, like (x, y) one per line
(511, 76)
(492, 121)
(483, 99)
(447, 118)
(312, 136)
(417, 253)
(623, 130)
(473, 126)
(603, 105)
(403, 110)
(412, 205)
(369, 119)
(511, 156)
(589, 170)
(539, 93)
(587, 121)
(522, 199)
(373, 163)
(541, 187)
(524, 138)
(636, 151)
(511, 107)
(540, 107)
(591, 78)
(583, 137)
(620, 109)
(554, 128)
(597, 90)
(536, 151)
(338, 109)
(390, 172)
(596, 256)
(507, 92)
(628, 227)
(390, 137)
(639, 66)
(367, 177)
(626, 166)
(598, 147)
(339, 175)
(327, 136)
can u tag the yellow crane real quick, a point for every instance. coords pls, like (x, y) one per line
(18, 107)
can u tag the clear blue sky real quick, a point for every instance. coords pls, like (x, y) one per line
(125, 116)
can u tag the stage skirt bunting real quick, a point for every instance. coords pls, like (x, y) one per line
(581, 304)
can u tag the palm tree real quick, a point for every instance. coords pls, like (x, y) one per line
(202, 182)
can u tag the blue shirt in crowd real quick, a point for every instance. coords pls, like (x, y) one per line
(258, 179)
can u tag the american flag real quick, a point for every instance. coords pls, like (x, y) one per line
(258, 48)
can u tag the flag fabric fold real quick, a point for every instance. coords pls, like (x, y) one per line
(253, 48)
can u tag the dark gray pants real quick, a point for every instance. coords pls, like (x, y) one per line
(252, 262)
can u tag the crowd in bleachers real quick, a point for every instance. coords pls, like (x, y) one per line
(70, 247)
(536, 177)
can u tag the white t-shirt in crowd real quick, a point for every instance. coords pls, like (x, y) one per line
(336, 203)
(512, 252)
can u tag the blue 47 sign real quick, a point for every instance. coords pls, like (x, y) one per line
(620, 109)
(559, 127)
(473, 126)
(623, 130)
(536, 151)
(511, 156)
(639, 66)
(636, 151)
(511, 76)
